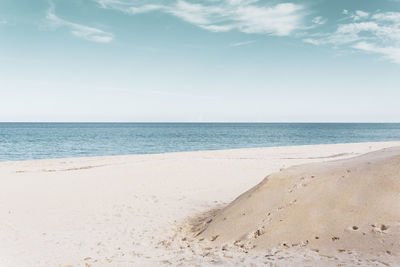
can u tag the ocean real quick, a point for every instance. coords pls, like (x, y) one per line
(25, 141)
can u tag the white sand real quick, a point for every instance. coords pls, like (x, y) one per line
(339, 207)
(124, 210)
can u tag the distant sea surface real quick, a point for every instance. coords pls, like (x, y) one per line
(24, 141)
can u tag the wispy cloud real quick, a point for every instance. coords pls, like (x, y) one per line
(375, 33)
(359, 15)
(319, 20)
(3, 22)
(242, 43)
(390, 52)
(78, 30)
(248, 16)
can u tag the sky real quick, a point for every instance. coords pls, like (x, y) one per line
(200, 61)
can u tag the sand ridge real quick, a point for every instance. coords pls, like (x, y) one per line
(335, 207)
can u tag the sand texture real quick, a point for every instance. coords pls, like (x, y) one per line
(141, 210)
(344, 206)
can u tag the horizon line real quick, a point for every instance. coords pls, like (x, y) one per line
(215, 122)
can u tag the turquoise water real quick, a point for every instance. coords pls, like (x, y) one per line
(23, 141)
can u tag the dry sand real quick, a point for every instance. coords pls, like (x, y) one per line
(349, 206)
(139, 210)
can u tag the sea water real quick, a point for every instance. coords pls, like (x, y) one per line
(24, 141)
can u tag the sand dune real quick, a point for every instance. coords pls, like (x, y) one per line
(343, 206)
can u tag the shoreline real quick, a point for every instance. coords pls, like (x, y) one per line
(198, 151)
(124, 210)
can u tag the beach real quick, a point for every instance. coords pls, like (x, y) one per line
(137, 210)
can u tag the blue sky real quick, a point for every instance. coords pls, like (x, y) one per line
(211, 60)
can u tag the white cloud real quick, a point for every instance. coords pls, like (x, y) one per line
(359, 15)
(319, 20)
(82, 31)
(3, 22)
(248, 16)
(144, 9)
(242, 43)
(391, 53)
(217, 28)
(379, 33)
(311, 41)
(388, 16)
